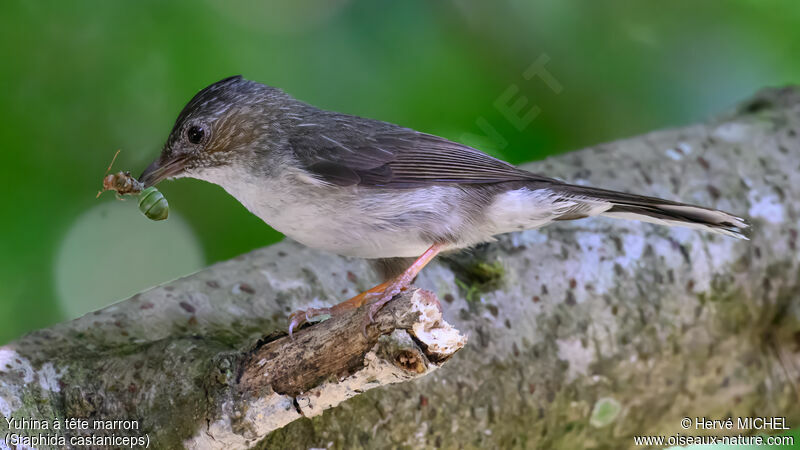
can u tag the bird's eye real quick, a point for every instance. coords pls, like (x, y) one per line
(195, 134)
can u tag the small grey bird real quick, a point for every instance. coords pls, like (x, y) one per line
(370, 189)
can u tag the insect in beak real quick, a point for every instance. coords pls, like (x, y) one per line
(153, 204)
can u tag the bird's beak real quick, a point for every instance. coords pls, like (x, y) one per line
(159, 170)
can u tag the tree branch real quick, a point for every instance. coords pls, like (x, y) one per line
(281, 380)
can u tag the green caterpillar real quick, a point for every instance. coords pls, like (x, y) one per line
(153, 204)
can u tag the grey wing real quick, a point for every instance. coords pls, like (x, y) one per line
(348, 150)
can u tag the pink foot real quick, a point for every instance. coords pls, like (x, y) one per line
(298, 318)
(397, 286)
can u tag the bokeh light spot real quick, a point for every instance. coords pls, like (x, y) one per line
(112, 252)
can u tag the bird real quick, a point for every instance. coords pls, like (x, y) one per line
(370, 189)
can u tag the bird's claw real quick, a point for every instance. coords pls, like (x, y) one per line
(298, 318)
(386, 296)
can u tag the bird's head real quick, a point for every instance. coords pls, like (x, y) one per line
(225, 125)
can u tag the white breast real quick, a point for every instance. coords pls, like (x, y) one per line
(384, 223)
(326, 217)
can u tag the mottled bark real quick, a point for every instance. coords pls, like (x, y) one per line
(583, 333)
(202, 385)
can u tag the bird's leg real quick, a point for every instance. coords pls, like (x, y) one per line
(400, 282)
(385, 291)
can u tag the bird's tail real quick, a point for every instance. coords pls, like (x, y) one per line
(660, 211)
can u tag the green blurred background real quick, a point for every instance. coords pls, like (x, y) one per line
(82, 79)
